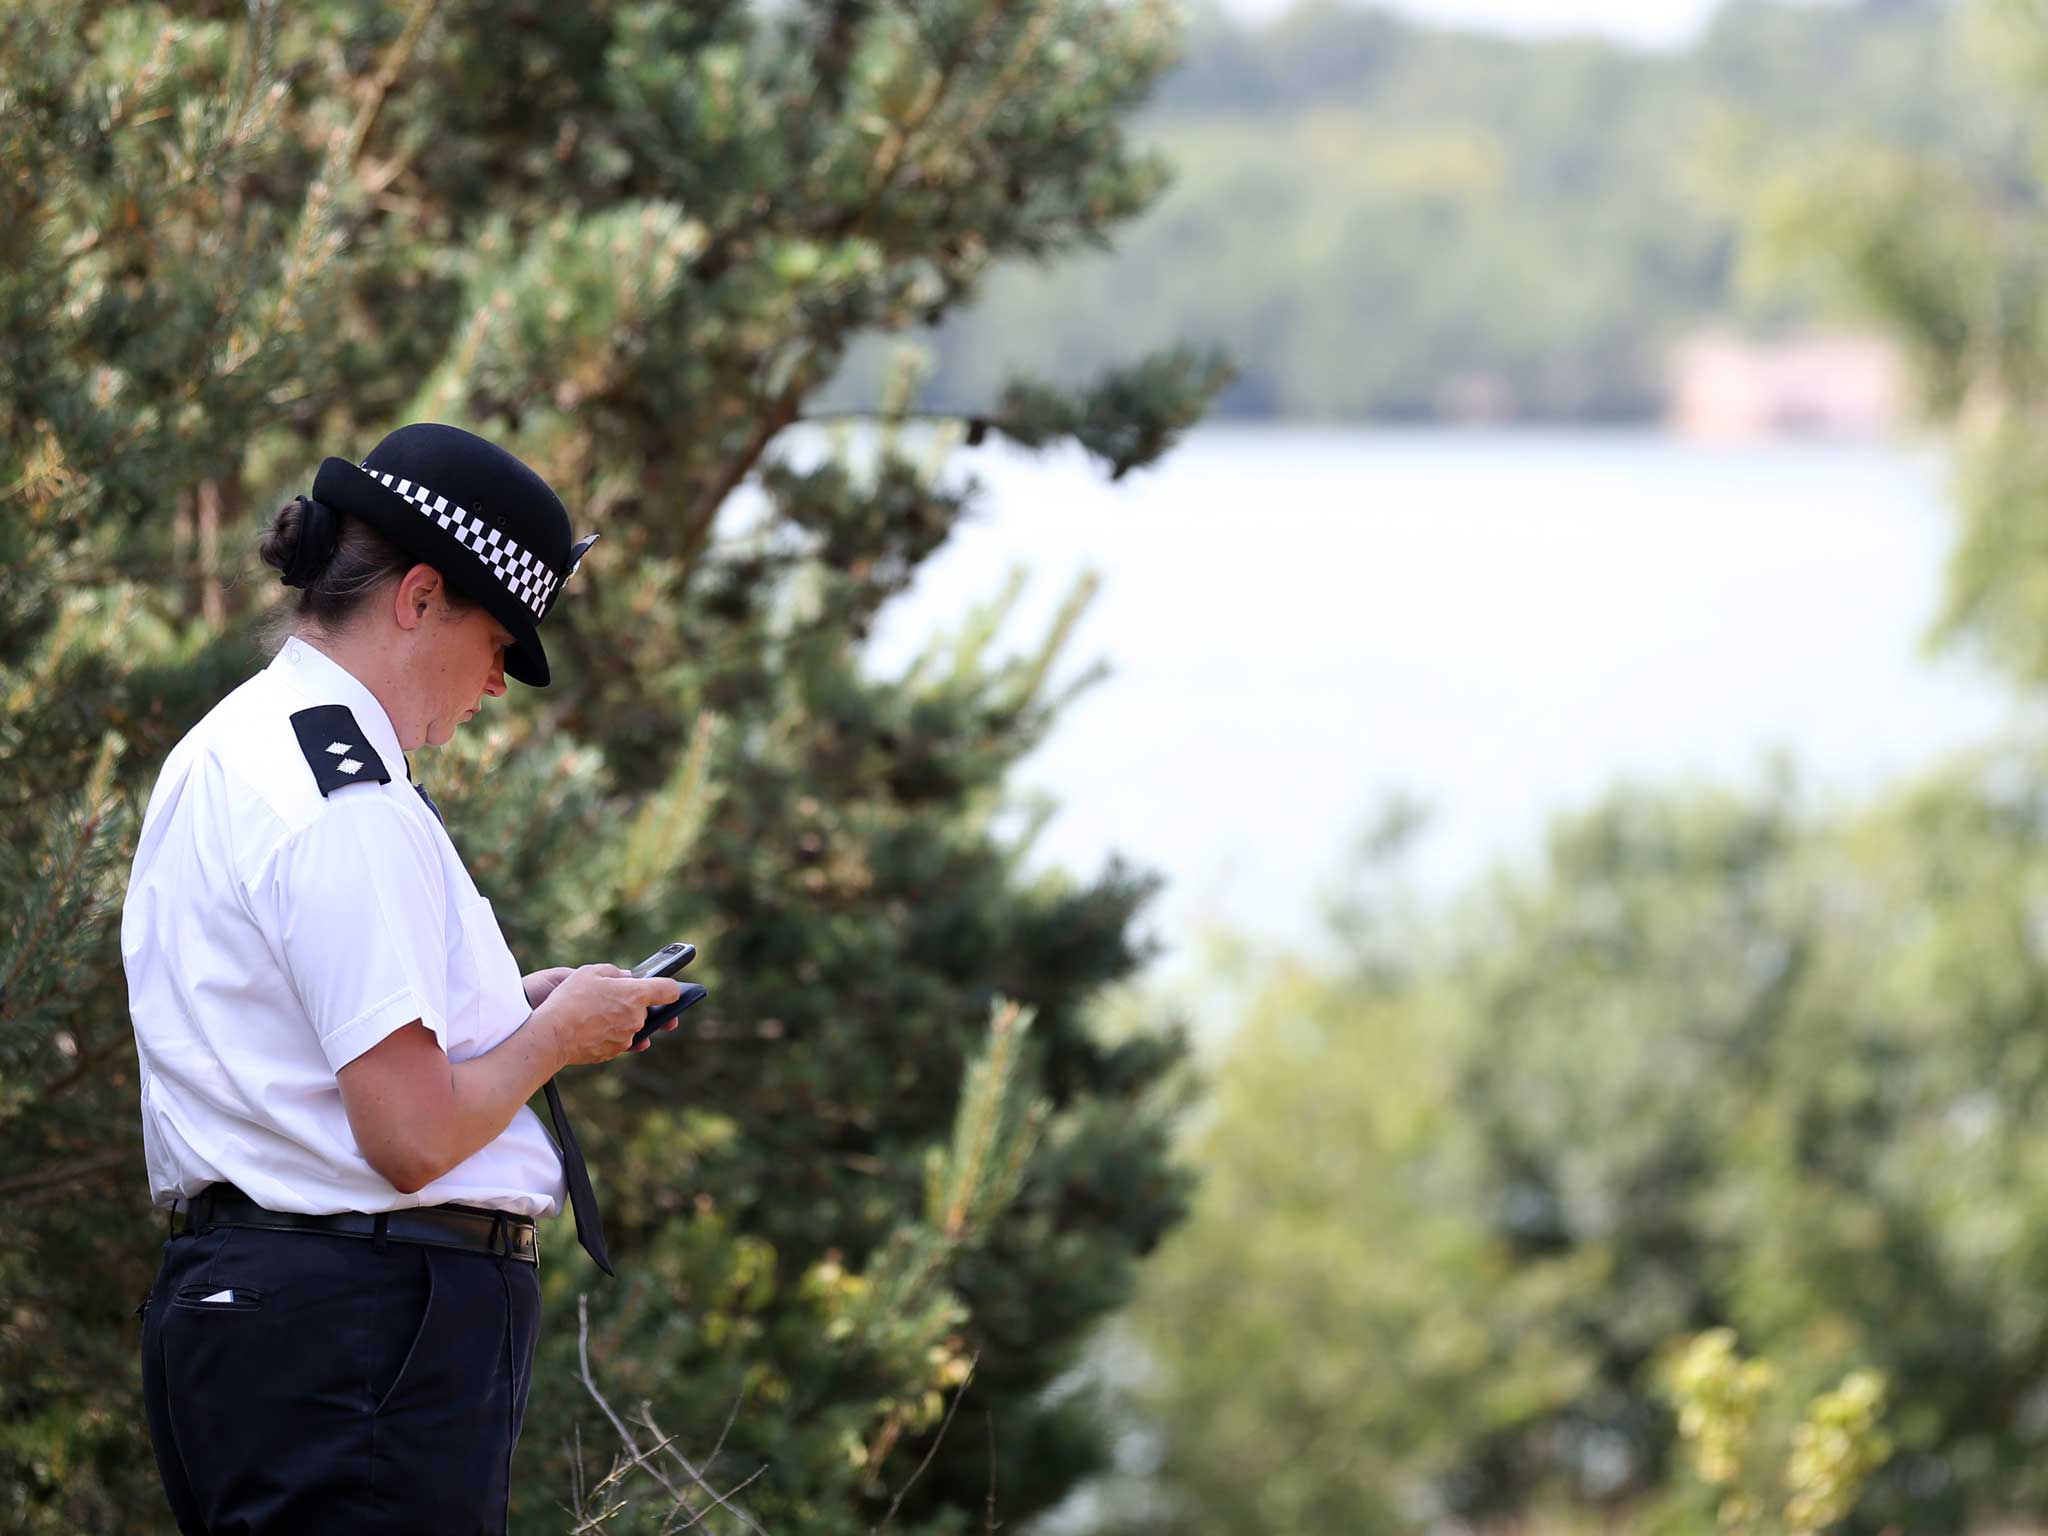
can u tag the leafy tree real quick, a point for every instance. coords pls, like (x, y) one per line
(1944, 251)
(1717, 1061)
(630, 240)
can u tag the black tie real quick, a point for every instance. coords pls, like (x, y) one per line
(430, 803)
(582, 1198)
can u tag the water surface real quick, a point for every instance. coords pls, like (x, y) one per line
(1303, 621)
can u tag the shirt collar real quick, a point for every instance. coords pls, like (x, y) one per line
(320, 679)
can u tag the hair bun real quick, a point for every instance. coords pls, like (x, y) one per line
(302, 540)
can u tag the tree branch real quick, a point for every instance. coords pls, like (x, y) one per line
(697, 529)
(46, 1181)
(619, 1424)
(989, 1415)
(87, 1060)
(937, 1441)
(394, 63)
(667, 1443)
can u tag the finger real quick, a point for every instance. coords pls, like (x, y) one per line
(672, 1023)
(662, 989)
(606, 968)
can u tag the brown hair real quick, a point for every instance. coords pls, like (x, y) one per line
(362, 560)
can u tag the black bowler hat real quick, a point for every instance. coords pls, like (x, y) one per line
(487, 523)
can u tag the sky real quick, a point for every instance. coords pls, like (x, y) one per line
(1651, 22)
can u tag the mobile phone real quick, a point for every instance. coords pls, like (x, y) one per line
(666, 961)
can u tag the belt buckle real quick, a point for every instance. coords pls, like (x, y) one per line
(522, 1241)
(512, 1239)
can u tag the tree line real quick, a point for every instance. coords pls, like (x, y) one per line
(1385, 221)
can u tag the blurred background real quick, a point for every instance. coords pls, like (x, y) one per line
(1451, 597)
(1548, 462)
(1578, 683)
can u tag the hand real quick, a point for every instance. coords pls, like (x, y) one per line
(539, 984)
(594, 1012)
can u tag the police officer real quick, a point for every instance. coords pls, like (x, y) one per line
(336, 1044)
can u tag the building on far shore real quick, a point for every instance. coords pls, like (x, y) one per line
(1726, 389)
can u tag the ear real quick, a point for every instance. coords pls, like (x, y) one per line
(414, 595)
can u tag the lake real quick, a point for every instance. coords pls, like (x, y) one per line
(1303, 621)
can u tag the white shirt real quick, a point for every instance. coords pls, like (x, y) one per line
(271, 935)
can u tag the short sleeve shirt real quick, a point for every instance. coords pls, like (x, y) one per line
(272, 934)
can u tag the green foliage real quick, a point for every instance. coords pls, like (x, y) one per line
(1128, 419)
(629, 240)
(1717, 1394)
(1719, 1065)
(1943, 248)
(1762, 1486)
(1718, 1061)
(1834, 1450)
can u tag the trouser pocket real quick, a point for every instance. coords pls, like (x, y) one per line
(394, 1322)
(271, 1397)
(218, 1298)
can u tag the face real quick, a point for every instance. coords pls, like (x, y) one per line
(464, 665)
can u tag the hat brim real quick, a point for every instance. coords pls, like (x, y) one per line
(346, 488)
(526, 662)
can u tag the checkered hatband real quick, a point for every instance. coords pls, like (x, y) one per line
(519, 571)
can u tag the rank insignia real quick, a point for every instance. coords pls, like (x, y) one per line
(336, 748)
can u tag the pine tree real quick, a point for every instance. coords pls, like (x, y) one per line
(631, 241)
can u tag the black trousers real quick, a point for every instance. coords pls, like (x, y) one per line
(342, 1389)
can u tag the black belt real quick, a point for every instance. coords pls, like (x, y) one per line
(439, 1226)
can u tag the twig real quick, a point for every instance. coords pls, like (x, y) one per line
(647, 1417)
(576, 1470)
(937, 1441)
(990, 1415)
(620, 1467)
(619, 1424)
(877, 413)
(592, 1522)
(743, 1483)
(665, 1443)
(718, 1445)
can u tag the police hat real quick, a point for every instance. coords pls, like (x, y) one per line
(487, 523)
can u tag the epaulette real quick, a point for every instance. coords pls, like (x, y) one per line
(336, 749)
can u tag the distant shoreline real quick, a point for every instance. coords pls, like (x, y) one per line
(1380, 220)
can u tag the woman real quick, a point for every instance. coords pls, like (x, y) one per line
(337, 1047)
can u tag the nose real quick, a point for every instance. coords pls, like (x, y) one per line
(495, 685)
